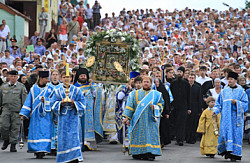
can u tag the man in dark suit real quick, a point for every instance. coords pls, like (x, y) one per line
(192, 119)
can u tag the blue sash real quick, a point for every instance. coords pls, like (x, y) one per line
(142, 106)
(239, 108)
(37, 101)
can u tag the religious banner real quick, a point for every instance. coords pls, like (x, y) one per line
(46, 5)
(109, 49)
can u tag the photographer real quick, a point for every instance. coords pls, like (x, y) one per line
(96, 13)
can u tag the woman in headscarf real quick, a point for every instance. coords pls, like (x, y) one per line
(23, 79)
(164, 124)
(216, 90)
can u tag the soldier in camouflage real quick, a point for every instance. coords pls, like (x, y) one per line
(12, 97)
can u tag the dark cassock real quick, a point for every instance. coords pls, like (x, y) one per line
(231, 103)
(193, 118)
(35, 108)
(68, 141)
(164, 123)
(181, 94)
(204, 89)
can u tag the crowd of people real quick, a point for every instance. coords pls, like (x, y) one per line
(198, 60)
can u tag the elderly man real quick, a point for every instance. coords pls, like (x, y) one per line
(33, 39)
(3, 38)
(6, 30)
(231, 103)
(43, 19)
(74, 28)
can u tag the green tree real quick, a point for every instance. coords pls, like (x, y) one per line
(247, 4)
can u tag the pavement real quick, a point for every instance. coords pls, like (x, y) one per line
(109, 153)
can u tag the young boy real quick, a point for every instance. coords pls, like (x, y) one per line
(209, 127)
(138, 82)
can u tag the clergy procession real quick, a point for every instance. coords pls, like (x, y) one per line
(150, 81)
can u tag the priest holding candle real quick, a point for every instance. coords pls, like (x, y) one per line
(68, 103)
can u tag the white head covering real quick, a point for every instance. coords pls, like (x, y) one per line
(217, 79)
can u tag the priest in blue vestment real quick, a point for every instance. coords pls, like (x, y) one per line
(68, 142)
(54, 82)
(142, 114)
(121, 100)
(39, 137)
(93, 119)
(231, 103)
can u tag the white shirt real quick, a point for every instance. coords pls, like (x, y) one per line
(2, 34)
(225, 81)
(9, 60)
(89, 13)
(210, 108)
(214, 93)
(189, 56)
(247, 81)
(151, 25)
(202, 80)
(6, 30)
(14, 84)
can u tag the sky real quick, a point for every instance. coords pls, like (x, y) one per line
(109, 6)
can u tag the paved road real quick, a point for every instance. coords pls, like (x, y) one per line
(112, 153)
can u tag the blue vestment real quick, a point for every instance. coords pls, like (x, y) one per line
(247, 122)
(68, 142)
(39, 137)
(54, 117)
(93, 118)
(144, 122)
(232, 120)
(123, 135)
(109, 123)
